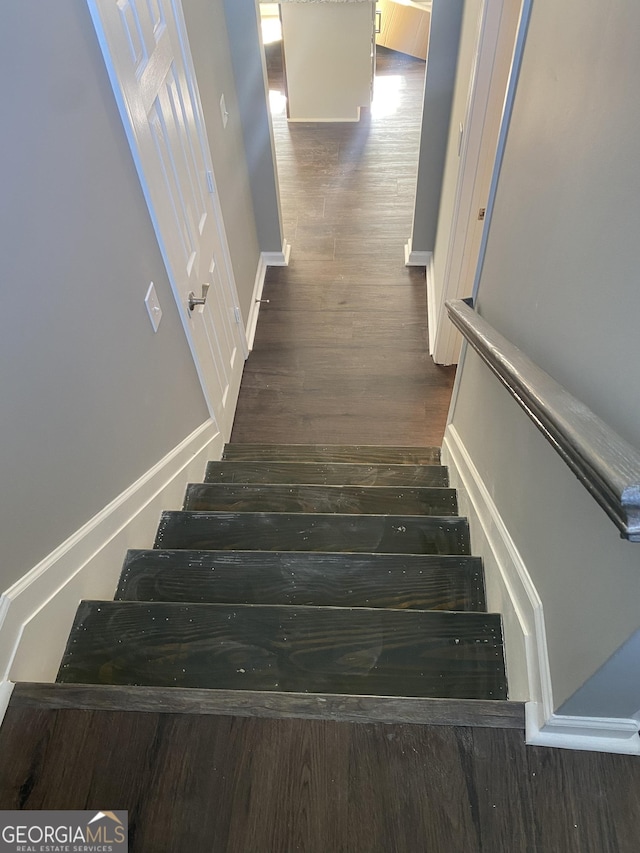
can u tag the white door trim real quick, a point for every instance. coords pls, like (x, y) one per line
(444, 338)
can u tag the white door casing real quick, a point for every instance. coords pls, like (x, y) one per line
(498, 25)
(147, 56)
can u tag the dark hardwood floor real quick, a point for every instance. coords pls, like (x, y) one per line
(340, 354)
(195, 784)
(340, 357)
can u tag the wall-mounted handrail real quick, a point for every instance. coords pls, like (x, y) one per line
(606, 465)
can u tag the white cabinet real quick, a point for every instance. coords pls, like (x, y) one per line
(328, 55)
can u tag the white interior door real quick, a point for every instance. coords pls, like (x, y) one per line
(147, 55)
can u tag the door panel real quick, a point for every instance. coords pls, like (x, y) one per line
(148, 59)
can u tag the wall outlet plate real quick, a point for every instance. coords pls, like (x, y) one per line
(153, 307)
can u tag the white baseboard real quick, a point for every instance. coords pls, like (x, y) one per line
(510, 591)
(337, 120)
(509, 587)
(36, 613)
(252, 322)
(432, 307)
(267, 259)
(416, 259)
(6, 689)
(594, 734)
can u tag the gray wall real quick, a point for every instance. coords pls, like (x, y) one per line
(446, 18)
(560, 279)
(90, 397)
(247, 54)
(208, 39)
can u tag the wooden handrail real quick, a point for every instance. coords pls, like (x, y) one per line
(606, 465)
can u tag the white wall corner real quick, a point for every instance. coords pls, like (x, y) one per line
(36, 613)
(510, 591)
(277, 259)
(416, 259)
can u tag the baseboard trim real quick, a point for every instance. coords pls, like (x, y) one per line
(338, 120)
(593, 734)
(432, 308)
(36, 613)
(509, 587)
(252, 321)
(510, 591)
(416, 259)
(253, 703)
(277, 259)
(267, 259)
(6, 690)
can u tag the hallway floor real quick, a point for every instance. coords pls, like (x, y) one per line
(340, 357)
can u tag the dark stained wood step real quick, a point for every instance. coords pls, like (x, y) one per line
(279, 531)
(326, 473)
(334, 453)
(304, 578)
(301, 649)
(487, 713)
(281, 497)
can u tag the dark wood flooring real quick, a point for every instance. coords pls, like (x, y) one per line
(340, 357)
(195, 784)
(340, 354)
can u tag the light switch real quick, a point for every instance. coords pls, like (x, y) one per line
(153, 307)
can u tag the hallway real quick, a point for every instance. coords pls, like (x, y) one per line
(340, 354)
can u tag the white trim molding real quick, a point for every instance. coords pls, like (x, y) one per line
(432, 304)
(594, 734)
(511, 592)
(416, 259)
(36, 613)
(335, 120)
(267, 259)
(252, 320)
(6, 689)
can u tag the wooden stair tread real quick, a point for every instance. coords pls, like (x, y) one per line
(334, 453)
(258, 497)
(279, 648)
(406, 581)
(326, 473)
(264, 531)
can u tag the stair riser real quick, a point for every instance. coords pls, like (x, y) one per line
(333, 650)
(327, 474)
(309, 532)
(346, 580)
(334, 453)
(332, 499)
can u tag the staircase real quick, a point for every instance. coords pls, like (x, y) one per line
(313, 580)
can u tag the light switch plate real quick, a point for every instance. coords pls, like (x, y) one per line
(153, 307)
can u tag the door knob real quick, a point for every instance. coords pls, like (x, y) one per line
(198, 301)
